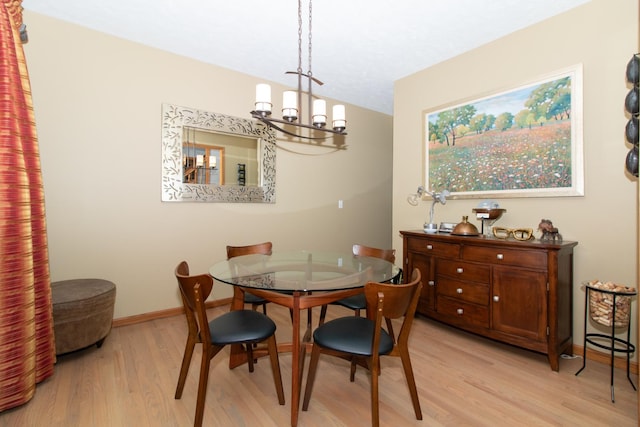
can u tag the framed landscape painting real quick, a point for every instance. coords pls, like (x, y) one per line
(523, 142)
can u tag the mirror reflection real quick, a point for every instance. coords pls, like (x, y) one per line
(213, 157)
(219, 159)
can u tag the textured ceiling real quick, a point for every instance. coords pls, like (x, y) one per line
(360, 47)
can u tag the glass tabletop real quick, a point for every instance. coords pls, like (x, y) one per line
(303, 271)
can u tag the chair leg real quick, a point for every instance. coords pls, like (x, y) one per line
(254, 307)
(411, 382)
(375, 405)
(311, 376)
(323, 314)
(202, 388)
(275, 367)
(184, 369)
(352, 374)
(250, 360)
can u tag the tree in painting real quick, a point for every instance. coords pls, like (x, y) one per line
(551, 100)
(449, 121)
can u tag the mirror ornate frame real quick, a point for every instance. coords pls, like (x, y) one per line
(175, 118)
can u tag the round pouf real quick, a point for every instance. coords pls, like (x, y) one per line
(82, 312)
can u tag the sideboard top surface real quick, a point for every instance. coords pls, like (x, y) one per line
(484, 240)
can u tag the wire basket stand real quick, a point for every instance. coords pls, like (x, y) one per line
(609, 305)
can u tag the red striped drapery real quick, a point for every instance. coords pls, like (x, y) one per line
(27, 347)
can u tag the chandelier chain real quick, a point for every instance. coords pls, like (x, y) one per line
(310, 10)
(299, 36)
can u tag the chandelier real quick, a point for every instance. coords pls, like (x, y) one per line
(292, 101)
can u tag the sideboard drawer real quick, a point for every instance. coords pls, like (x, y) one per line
(460, 312)
(463, 270)
(493, 255)
(467, 291)
(451, 250)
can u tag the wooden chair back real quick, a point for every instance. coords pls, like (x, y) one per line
(386, 254)
(182, 270)
(259, 248)
(389, 301)
(194, 291)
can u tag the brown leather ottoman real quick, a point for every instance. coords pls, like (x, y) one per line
(82, 312)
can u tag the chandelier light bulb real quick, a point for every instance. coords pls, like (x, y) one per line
(319, 113)
(290, 106)
(263, 99)
(339, 118)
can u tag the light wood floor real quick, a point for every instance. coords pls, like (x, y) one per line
(463, 380)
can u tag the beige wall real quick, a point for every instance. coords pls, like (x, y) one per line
(603, 36)
(97, 103)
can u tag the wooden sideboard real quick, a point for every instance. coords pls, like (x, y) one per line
(517, 292)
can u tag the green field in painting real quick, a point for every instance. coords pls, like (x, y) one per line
(515, 159)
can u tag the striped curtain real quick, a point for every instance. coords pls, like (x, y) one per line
(27, 347)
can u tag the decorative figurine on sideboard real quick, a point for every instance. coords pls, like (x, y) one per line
(549, 232)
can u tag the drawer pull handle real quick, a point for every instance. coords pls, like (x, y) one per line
(500, 256)
(496, 298)
(429, 247)
(459, 270)
(459, 290)
(431, 283)
(460, 311)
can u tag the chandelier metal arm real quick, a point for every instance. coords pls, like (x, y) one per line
(269, 121)
(309, 76)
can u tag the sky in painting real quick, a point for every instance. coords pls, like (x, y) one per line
(511, 102)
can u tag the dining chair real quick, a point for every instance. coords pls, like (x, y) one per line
(364, 338)
(246, 327)
(260, 248)
(357, 303)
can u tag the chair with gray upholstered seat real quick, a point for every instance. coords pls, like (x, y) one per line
(245, 327)
(354, 337)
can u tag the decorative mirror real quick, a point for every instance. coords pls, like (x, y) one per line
(210, 157)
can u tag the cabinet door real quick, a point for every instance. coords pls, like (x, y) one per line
(519, 303)
(424, 263)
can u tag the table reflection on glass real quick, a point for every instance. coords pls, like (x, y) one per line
(298, 280)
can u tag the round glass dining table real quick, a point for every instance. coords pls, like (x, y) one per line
(298, 280)
(303, 271)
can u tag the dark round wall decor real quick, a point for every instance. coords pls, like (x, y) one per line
(631, 104)
(631, 130)
(633, 70)
(631, 162)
